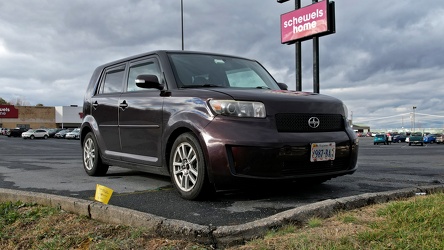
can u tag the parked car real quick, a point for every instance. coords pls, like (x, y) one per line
(53, 131)
(399, 138)
(380, 138)
(75, 134)
(37, 133)
(3, 131)
(439, 138)
(16, 132)
(430, 138)
(61, 134)
(416, 138)
(211, 121)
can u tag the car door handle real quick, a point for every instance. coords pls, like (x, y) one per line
(123, 105)
(95, 105)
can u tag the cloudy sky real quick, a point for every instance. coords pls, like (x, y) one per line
(385, 58)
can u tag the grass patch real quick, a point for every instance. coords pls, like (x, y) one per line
(415, 223)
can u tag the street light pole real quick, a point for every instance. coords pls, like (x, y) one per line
(414, 107)
(181, 18)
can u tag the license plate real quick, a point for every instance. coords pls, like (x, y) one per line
(323, 151)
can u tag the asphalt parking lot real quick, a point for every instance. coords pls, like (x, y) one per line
(54, 166)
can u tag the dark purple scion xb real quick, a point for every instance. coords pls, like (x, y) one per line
(211, 121)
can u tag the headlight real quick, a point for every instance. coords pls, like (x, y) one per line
(238, 108)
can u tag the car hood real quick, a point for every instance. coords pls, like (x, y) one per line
(287, 101)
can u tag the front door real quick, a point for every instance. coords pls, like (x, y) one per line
(140, 116)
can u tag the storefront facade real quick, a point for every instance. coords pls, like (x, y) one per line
(40, 117)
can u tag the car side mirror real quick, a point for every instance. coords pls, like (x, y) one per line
(148, 82)
(283, 86)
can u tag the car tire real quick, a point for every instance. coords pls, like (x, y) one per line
(188, 169)
(45, 137)
(32, 137)
(422, 144)
(92, 162)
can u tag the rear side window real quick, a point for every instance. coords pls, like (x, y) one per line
(112, 81)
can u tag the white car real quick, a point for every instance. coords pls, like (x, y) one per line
(37, 133)
(75, 134)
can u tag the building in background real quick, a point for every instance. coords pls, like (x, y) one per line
(68, 116)
(40, 117)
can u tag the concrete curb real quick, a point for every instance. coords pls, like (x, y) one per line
(219, 236)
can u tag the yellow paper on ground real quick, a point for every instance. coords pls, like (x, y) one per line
(103, 194)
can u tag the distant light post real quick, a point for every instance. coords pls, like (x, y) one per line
(181, 19)
(414, 108)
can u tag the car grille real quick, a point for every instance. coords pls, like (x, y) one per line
(299, 122)
(285, 162)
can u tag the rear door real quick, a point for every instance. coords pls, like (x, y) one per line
(105, 109)
(140, 115)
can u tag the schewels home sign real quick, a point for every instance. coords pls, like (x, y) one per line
(311, 21)
(8, 111)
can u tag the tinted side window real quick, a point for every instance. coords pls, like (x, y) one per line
(144, 68)
(112, 81)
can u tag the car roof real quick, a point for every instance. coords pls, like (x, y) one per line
(165, 52)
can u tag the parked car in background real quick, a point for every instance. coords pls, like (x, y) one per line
(3, 131)
(380, 138)
(75, 134)
(440, 138)
(16, 132)
(431, 138)
(61, 134)
(416, 138)
(37, 133)
(53, 131)
(399, 138)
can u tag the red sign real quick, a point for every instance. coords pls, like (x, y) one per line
(8, 111)
(307, 22)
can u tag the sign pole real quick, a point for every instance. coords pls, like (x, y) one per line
(316, 61)
(298, 56)
(310, 22)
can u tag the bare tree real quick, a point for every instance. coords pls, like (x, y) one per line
(19, 102)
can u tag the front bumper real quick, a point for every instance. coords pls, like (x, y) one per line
(258, 151)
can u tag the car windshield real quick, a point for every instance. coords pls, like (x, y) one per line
(206, 70)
